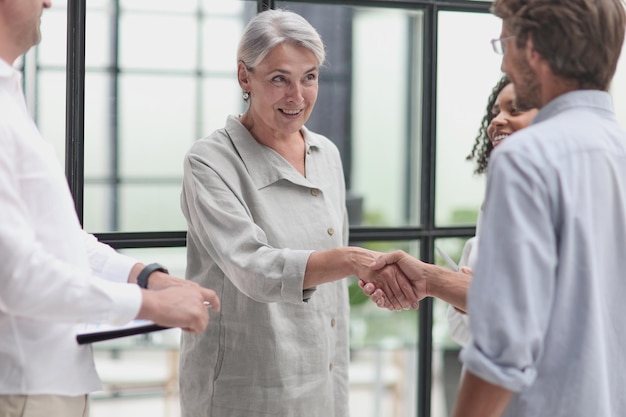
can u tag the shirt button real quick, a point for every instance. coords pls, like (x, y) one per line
(308, 151)
(315, 192)
(330, 367)
(331, 231)
(332, 323)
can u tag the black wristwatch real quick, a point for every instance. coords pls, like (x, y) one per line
(142, 278)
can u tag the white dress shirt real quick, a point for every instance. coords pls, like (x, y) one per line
(459, 322)
(51, 271)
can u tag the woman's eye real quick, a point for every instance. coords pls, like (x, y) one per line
(311, 77)
(278, 79)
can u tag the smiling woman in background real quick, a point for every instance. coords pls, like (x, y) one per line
(503, 117)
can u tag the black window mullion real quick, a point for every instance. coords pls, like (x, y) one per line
(426, 233)
(265, 5)
(75, 102)
(114, 165)
(427, 212)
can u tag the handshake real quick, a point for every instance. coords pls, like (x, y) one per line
(398, 281)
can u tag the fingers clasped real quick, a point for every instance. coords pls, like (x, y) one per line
(388, 285)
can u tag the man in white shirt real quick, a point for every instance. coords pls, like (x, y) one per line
(54, 275)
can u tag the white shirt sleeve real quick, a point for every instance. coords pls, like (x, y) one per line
(105, 261)
(45, 271)
(457, 321)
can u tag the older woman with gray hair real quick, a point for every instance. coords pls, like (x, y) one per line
(264, 199)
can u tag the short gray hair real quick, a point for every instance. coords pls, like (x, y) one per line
(273, 27)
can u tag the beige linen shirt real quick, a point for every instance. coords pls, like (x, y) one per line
(273, 349)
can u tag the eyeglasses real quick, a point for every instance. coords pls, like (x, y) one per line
(498, 44)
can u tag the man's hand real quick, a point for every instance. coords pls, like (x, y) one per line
(184, 306)
(412, 268)
(160, 280)
(426, 280)
(391, 281)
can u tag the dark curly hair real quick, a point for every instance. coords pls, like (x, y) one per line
(482, 145)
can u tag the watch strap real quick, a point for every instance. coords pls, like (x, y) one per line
(142, 278)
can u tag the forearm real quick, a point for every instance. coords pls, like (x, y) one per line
(134, 273)
(449, 286)
(334, 264)
(106, 262)
(179, 306)
(479, 398)
(157, 280)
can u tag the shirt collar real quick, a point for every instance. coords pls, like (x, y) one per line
(264, 164)
(596, 99)
(7, 71)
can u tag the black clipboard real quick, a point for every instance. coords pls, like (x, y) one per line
(100, 332)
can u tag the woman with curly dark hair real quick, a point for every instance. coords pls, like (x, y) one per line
(502, 118)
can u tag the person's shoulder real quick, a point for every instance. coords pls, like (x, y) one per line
(571, 131)
(217, 141)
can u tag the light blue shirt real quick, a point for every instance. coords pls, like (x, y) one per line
(254, 220)
(547, 303)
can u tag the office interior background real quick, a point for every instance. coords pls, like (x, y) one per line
(402, 94)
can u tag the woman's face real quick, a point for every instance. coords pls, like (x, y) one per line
(508, 118)
(283, 89)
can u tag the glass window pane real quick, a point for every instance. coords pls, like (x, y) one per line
(221, 97)
(168, 92)
(52, 48)
(99, 205)
(98, 149)
(157, 118)
(462, 92)
(98, 38)
(44, 78)
(446, 366)
(184, 6)
(369, 104)
(382, 108)
(158, 41)
(226, 7)
(220, 40)
(50, 115)
(154, 206)
(383, 345)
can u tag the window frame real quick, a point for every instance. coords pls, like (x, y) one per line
(426, 234)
